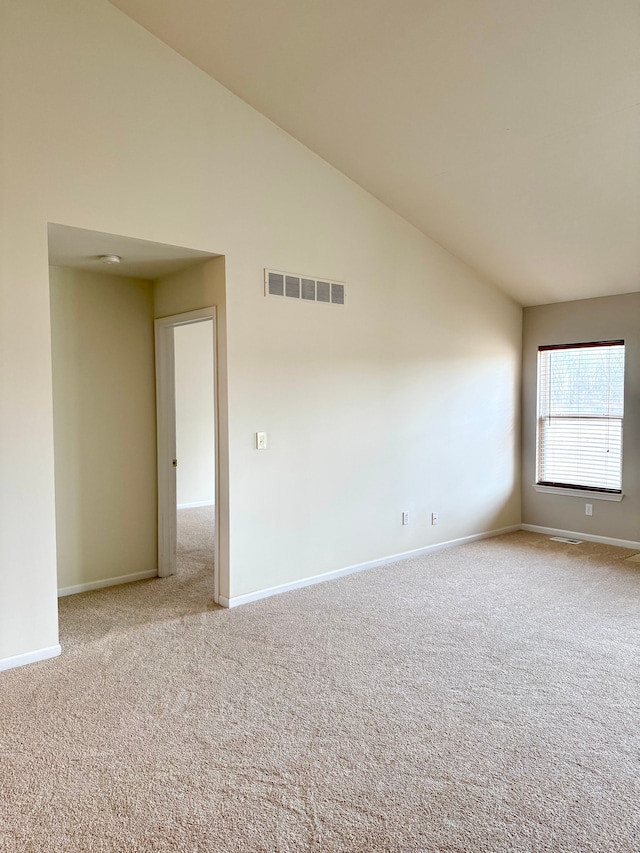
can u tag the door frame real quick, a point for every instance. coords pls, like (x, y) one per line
(166, 440)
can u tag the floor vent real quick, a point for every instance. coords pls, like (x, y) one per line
(564, 539)
(303, 288)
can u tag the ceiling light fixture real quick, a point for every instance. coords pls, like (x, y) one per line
(110, 259)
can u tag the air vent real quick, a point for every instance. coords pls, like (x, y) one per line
(564, 539)
(275, 284)
(309, 289)
(292, 286)
(337, 294)
(303, 288)
(324, 291)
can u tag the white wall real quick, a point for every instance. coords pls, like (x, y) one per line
(606, 319)
(193, 346)
(405, 399)
(104, 426)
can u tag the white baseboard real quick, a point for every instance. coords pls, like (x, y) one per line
(237, 600)
(587, 537)
(30, 657)
(87, 587)
(196, 503)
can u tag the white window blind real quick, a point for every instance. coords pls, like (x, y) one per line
(580, 415)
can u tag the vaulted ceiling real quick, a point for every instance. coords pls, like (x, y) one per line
(506, 130)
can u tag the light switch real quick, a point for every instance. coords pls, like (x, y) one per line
(261, 441)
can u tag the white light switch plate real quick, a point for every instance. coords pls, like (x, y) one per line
(261, 441)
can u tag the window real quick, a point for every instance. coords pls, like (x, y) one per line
(580, 415)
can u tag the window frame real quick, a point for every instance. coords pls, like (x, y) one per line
(570, 489)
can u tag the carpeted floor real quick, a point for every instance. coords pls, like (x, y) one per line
(484, 698)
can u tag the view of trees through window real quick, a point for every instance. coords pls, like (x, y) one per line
(580, 415)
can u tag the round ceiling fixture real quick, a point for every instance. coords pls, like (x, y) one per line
(110, 259)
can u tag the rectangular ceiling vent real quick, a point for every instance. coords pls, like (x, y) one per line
(303, 288)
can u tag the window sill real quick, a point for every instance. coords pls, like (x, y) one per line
(578, 493)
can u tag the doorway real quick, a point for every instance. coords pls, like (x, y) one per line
(105, 291)
(187, 440)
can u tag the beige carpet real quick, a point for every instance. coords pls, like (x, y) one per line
(484, 698)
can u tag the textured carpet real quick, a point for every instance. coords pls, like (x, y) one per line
(484, 698)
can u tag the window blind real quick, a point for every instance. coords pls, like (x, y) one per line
(580, 415)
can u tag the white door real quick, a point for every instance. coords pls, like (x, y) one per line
(166, 423)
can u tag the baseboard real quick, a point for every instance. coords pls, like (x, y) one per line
(237, 600)
(195, 504)
(87, 587)
(30, 657)
(587, 537)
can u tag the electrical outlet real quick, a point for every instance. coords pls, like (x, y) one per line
(405, 518)
(261, 441)
(588, 509)
(434, 518)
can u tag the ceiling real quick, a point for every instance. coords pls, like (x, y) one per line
(81, 249)
(506, 130)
